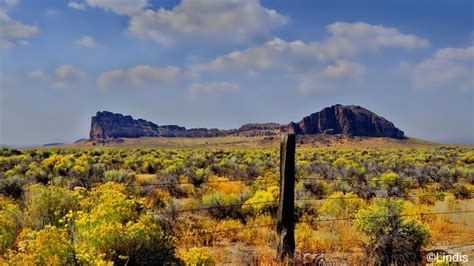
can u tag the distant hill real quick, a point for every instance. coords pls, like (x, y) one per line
(53, 144)
(273, 142)
(338, 119)
(347, 120)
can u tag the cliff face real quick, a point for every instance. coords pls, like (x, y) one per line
(338, 119)
(252, 130)
(107, 125)
(347, 120)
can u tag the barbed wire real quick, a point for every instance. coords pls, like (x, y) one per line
(384, 216)
(302, 199)
(457, 246)
(381, 181)
(227, 230)
(325, 220)
(439, 194)
(165, 184)
(190, 183)
(214, 207)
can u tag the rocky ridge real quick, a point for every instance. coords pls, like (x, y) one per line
(347, 120)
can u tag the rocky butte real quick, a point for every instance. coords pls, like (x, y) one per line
(348, 120)
(107, 125)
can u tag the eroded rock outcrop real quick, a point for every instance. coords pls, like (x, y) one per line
(338, 119)
(107, 125)
(253, 129)
(346, 120)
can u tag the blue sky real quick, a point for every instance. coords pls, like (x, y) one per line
(217, 63)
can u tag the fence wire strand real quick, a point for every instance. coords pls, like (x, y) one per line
(326, 220)
(198, 183)
(301, 200)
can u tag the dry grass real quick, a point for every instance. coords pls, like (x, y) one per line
(338, 242)
(144, 178)
(452, 229)
(322, 141)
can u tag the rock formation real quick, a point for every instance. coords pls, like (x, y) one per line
(338, 119)
(107, 125)
(251, 130)
(346, 120)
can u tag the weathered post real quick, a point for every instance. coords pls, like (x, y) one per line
(286, 207)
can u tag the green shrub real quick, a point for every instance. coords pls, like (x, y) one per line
(342, 205)
(119, 176)
(317, 188)
(10, 218)
(393, 239)
(13, 186)
(46, 205)
(461, 192)
(218, 200)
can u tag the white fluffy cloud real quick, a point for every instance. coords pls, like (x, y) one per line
(212, 88)
(76, 5)
(62, 77)
(350, 38)
(121, 7)
(313, 62)
(344, 69)
(222, 21)
(69, 72)
(139, 75)
(275, 54)
(282, 54)
(232, 20)
(299, 61)
(447, 68)
(111, 78)
(87, 41)
(329, 78)
(13, 32)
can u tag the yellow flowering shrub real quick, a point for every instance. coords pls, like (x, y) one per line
(10, 216)
(49, 246)
(309, 240)
(262, 200)
(45, 205)
(342, 205)
(196, 256)
(225, 187)
(112, 229)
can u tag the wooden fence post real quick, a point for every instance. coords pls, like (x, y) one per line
(286, 207)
